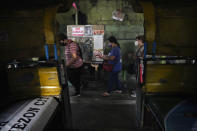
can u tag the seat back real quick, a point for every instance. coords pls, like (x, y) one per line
(172, 78)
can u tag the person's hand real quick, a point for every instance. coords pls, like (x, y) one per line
(98, 54)
(101, 56)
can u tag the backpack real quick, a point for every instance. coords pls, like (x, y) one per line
(80, 52)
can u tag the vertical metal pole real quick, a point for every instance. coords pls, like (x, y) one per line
(46, 51)
(76, 17)
(55, 52)
(142, 111)
(67, 113)
(145, 50)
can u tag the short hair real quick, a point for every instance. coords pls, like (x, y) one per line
(140, 37)
(62, 36)
(112, 39)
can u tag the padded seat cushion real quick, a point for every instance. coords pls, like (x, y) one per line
(161, 105)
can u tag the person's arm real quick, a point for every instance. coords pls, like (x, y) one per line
(74, 58)
(142, 54)
(111, 58)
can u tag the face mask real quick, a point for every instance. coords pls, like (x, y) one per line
(136, 43)
(109, 45)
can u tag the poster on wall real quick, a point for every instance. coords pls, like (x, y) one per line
(98, 48)
(78, 31)
(75, 30)
(85, 30)
(90, 38)
(98, 29)
(88, 30)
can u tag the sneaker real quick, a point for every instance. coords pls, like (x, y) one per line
(105, 94)
(133, 94)
(117, 91)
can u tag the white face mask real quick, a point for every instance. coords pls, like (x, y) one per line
(136, 43)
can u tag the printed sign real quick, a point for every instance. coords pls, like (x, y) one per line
(98, 32)
(78, 31)
(90, 38)
(98, 48)
(88, 30)
(98, 29)
(34, 116)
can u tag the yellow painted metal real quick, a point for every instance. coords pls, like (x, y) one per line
(25, 33)
(176, 30)
(34, 82)
(49, 81)
(173, 27)
(23, 82)
(170, 78)
(149, 17)
(48, 77)
(50, 24)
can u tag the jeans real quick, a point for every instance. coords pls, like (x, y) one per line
(113, 79)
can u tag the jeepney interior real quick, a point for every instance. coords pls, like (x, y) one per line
(34, 87)
(166, 85)
(166, 74)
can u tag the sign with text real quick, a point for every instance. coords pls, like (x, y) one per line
(78, 31)
(90, 38)
(98, 29)
(33, 115)
(98, 48)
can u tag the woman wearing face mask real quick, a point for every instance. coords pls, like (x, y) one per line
(113, 58)
(140, 46)
(139, 51)
(139, 54)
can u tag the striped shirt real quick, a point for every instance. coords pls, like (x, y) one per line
(72, 48)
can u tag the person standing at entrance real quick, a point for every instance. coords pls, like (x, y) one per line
(140, 46)
(74, 62)
(139, 54)
(114, 58)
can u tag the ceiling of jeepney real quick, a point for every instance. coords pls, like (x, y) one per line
(23, 4)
